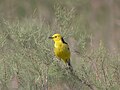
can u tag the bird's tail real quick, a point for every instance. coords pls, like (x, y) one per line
(70, 66)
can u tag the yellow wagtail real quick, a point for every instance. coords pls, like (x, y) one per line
(61, 49)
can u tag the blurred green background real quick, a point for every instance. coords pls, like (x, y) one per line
(100, 17)
(91, 28)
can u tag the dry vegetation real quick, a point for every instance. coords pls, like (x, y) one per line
(26, 54)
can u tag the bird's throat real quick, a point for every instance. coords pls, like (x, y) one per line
(58, 44)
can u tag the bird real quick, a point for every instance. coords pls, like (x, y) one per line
(61, 49)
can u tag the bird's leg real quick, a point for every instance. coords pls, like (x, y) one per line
(69, 66)
(58, 59)
(66, 66)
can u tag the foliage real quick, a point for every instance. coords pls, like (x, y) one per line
(27, 61)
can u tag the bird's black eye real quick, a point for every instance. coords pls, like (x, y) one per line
(55, 36)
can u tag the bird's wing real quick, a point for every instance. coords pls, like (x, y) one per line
(63, 41)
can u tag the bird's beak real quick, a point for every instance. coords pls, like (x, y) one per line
(50, 37)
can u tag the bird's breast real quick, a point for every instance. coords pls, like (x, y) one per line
(61, 51)
(58, 45)
(58, 48)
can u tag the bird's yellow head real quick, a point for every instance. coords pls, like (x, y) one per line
(56, 37)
